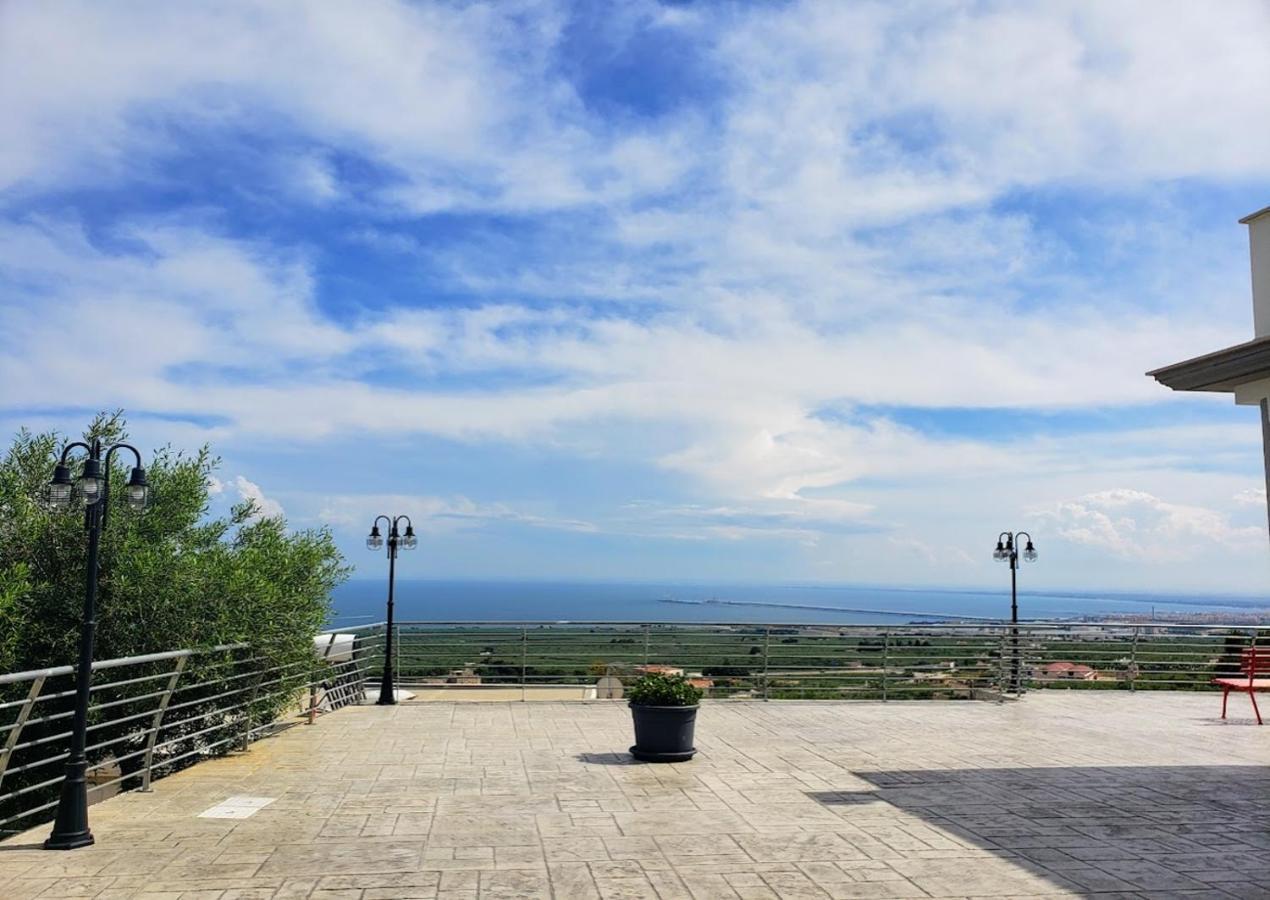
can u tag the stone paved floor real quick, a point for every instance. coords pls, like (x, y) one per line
(1066, 793)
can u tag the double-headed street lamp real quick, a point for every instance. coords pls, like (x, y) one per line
(408, 541)
(1008, 551)
(91, 492)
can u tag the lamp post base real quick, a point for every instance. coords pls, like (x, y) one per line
(69, 841)
(70, 828)
(387, 692)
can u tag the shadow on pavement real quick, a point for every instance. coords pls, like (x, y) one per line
(1132, 828)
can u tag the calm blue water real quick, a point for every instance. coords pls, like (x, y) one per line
(361, 601)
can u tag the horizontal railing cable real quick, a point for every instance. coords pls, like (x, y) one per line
(154, 713)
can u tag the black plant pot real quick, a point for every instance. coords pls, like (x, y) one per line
(664, 733)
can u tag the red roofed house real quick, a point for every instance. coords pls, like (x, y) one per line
(656, 669)
(1065, 671)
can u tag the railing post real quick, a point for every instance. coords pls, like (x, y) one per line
(1133, 659)
(647, 628)
(1003, 664)
(251, 701)
(383, 659)
(396, 659)
(359, 682)
(1019, 673)
(767, 639)
(1253, 644)
(524, 659)
(886, 661)
(23, 714)
(147, 761)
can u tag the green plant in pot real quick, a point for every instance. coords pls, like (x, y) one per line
(664, 708)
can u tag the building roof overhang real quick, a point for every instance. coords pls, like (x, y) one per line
(1247, 220)
(1222, 371)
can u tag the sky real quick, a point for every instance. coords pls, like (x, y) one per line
(747, 292)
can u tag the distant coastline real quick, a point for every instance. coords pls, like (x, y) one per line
(925, 616)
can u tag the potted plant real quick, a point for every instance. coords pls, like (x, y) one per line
(665, 711)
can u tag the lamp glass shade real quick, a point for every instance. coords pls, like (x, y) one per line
(409, 541)
(137, 492)
(88, 489)
(58, 496)
(59, 493)
(374, 542)
(1030, 553)
(138, 496)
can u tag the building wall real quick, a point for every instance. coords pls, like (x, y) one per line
(1259, 238)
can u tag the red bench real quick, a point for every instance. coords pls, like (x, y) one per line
(1252, 664)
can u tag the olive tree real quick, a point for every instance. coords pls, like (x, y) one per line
(175, 576)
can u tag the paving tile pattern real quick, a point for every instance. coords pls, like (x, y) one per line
(1064, 794)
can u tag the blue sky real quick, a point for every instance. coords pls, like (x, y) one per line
(713, 291)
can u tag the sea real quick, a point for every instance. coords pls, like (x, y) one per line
(363, 601)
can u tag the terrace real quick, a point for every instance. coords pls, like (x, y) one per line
(1088, 789)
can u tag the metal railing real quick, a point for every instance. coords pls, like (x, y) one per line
(151, 715)
(817, 661)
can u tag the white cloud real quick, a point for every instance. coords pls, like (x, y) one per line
(799, 519)
(312, 178)
(954, 561)
(266, 508)
(1134, 524)
(970, 99)
(834, 113)
(741, 401)
(460, 102)
(436, 514)
(1255, 497)
(218, 302)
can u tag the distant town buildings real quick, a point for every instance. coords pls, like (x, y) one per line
(941, 671)
(655, 669)
(465, 675)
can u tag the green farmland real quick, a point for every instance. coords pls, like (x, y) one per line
(819, 662)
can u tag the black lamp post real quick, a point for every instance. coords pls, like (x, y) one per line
(1008, 551)
(387, 692)
(92, 492)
